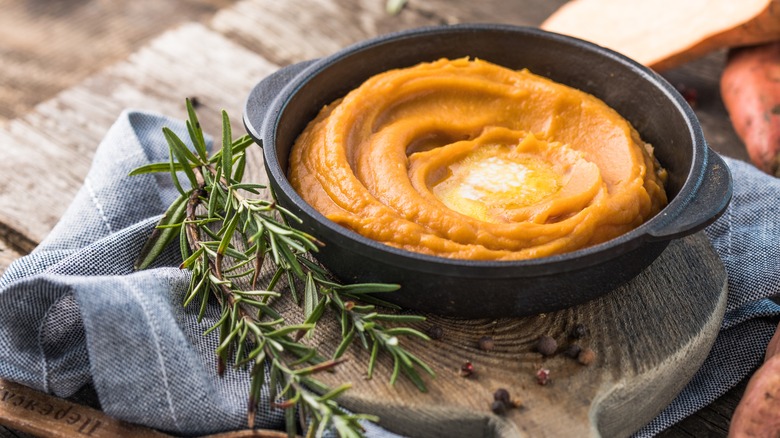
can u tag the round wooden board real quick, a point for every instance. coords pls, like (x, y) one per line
(650, 336)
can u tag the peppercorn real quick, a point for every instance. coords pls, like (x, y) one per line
(486, 343)
(466, 369)
(434, 332)
(586, 356)
(502, 395)
(543, 376)
(546, 345)
(579, 331)
(572, 351)
(498, 407)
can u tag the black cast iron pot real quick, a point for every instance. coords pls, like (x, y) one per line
(699, 186)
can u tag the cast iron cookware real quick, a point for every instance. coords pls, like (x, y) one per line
(699, 185)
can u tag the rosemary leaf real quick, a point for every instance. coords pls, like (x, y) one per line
(203, 303)
(242, 143)
(367, 298)
(155, 168)
(412, 375)
(306, 356)
(372, 359)
(291, 425)
(311, 298)
(239, 172)
(396, 370)
(196, 133)
(289, 329)
(335, 392)
(195, 291)
(183, 155)
(422, 364)
(173, 167)
(227, 147)
(367, 288)
(291, 285)
(346, 341)
(316, 313)
(262, 293)
(256, 386)
(227, 236)
(247, 186)
(161, 237)
(399, 318)
(406, 331)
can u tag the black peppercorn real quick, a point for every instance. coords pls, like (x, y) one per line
(434, 332)
(579, 331)
(498, 407)
(486, 343)
(572, 351)
(546, 345)
(502, 395)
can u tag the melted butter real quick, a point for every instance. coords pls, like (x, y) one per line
(492, 179)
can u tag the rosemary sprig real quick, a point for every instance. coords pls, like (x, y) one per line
(225, 239)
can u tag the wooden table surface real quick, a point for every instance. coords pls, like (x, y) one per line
(68, 68)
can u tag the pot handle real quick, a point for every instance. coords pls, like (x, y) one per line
(706, 202)
(263, 94)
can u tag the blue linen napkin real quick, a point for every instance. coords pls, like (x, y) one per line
(75, 312)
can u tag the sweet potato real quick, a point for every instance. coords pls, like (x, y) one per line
(663, 34)
(758, 413)
(750, 86)
(773, 349)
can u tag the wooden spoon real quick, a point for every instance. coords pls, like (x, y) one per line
(662, 34)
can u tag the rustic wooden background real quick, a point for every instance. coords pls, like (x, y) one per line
(68, 67)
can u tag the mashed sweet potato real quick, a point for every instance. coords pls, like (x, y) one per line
(467, 159)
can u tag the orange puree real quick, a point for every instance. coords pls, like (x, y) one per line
(466, 159)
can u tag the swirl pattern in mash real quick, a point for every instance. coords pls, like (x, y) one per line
(466, 159)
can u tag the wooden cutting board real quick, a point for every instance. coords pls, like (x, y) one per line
(649, 336)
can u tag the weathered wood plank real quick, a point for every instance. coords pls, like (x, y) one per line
(645, 355)
(519, 13)
(59, 138)
(297, 30)
(7, 255)
(46, 46)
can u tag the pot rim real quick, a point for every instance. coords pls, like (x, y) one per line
(582, 258)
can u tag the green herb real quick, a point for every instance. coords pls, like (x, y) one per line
(225, 237)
